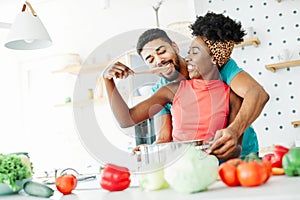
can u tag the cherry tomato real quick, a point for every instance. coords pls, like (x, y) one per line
(228, 172)
(66, 183)
(252, 173)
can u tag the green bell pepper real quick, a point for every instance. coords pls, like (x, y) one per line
(291, 162)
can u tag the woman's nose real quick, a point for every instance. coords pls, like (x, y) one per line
(187, 59)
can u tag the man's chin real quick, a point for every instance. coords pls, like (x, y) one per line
(171, 77)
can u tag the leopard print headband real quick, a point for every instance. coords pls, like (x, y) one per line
(221, 51)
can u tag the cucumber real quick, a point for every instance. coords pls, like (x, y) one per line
(38, 189)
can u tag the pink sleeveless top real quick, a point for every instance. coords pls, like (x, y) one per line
(200, 108)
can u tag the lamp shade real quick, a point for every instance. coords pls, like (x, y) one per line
(27, 33)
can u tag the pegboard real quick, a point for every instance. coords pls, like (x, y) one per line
(277, 26)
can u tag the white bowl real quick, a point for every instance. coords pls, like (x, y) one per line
(5, 189)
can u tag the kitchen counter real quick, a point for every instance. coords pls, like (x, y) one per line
(278, 187)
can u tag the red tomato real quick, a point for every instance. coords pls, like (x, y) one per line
(66, 183)
(268, 167)
(228, 172)
(252, 173)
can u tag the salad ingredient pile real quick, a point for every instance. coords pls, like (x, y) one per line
(12, 169)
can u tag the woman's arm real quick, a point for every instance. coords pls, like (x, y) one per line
(128, 117)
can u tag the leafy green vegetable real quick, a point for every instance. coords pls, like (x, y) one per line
(12, 169)
(193, 172)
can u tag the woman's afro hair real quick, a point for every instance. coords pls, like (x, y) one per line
(217, 27)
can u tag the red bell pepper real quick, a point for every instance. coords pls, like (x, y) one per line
(115, 178)
(276, 157)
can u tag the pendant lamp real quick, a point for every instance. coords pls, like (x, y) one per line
(27, 32)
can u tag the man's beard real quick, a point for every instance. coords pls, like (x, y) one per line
(176, 73)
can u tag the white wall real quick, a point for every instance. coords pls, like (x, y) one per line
(48, 133)
(277, 26)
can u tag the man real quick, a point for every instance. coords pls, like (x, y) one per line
(201, 105)
(157, 50)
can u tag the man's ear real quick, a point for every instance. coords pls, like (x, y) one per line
(175, 46)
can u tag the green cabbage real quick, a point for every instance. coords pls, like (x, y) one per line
(12, 169)
(193, 172)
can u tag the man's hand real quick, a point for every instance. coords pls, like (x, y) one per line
(117, 70)
(225, 144)
(138, 148)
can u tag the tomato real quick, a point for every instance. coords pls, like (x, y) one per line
(252, 173)
(66, 183)
(228, 172)
(268, 167)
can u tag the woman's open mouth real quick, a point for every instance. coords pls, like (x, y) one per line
(190, 68)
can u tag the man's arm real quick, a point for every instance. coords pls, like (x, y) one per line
(235, 103)
(163, 125)
(254, 100)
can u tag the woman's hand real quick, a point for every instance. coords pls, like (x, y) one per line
(117, 70)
